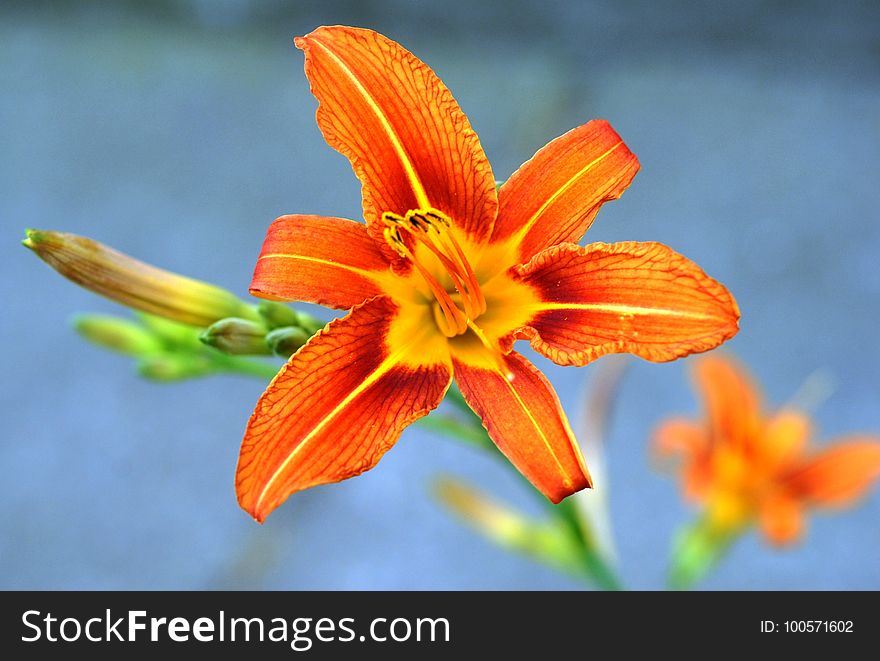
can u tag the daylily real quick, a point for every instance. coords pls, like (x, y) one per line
(746, 466)
(445, 275)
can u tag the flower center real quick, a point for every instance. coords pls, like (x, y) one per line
(453, 311)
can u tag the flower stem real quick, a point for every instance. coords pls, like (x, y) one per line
(594, 565)
(697, 549)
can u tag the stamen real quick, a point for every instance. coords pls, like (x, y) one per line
(432, 229)
(453, 322)
(472, 285)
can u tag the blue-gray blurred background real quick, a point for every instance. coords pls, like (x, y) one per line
(177, 130)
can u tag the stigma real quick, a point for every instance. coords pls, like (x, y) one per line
(454, 311)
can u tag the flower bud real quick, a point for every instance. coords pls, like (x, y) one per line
(309, 324)
(237, 337)
(276, 315)
(117, 334)
(133, 283)
(174, 367)
(284, 342)
(172, 334)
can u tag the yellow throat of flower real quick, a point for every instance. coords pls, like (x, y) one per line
(454, 312)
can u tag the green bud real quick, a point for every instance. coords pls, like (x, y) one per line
(174, 367)
(172, 334)
(117, 334)
(309, 324)
(133, 283)
(277, 315)
(237, 337)
(284, 342)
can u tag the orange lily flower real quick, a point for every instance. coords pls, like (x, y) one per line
(749, 466)
(445, 275)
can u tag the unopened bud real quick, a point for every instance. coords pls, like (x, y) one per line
(237, 337)
(171, 333)
(133, 283)
(284, 342)
(309, 324)
(278, 315)
(174, 367)
(117, 334)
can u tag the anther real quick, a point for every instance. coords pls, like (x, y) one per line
(431, 229)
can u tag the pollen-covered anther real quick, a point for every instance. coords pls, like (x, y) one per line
(432, 229)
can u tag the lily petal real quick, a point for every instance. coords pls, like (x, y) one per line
(337, 406)
(688, 441)
(554, 197)
(781, 519)
(839, 475)
(523, 416)
(732, 401)
(678, 436)
(406, 137)
(785, 436)
(301, 260)
(641, 298)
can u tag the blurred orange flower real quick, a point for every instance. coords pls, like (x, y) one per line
(746, 465)
(445, 275)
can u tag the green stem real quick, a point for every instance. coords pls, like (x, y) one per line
(697, 549)
(456, 428)
(593, 563)
(454, 397)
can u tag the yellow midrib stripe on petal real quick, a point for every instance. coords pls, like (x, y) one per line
(389, 363)
(414, 180)
(380, 371)
(316, 260)
(385, 279)
(566, 479)
(616, 308)
(562, 190)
